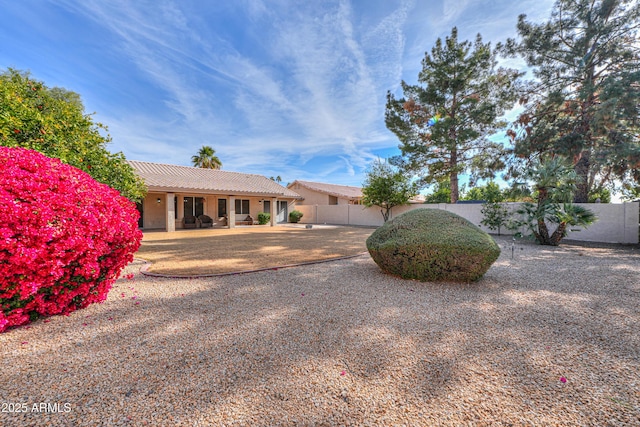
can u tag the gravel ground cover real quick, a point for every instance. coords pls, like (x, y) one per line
(548, 338)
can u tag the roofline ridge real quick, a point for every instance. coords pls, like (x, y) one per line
(325, 183)
(194, 167)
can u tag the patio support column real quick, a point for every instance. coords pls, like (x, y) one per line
(232, 212)
(273, 209)
(180, 213)
(171, 214)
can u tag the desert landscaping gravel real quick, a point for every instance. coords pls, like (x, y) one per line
(548, 338)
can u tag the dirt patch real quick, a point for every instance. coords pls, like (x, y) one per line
(215, 251)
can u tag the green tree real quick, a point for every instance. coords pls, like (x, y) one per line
(517, 192)
(495, 215)
(206, 158)
(444, 123)
(440, 194)
(600, 195)
(554, 184)
(386, 186)
(490, 192)
(583, 104)
(53, 122)
(631, 192)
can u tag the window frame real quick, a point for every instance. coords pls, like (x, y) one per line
(241, 204)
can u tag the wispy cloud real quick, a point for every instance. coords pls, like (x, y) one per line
(319, 88)
(279, 87)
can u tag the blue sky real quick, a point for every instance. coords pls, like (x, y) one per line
(276, 87)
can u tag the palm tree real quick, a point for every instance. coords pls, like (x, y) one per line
(206, 158)
(555, 183)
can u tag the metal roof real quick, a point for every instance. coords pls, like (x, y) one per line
(174, 178)
(343, 191)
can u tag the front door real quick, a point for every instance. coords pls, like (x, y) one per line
(282, 211)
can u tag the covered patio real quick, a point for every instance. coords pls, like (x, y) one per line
(177, 194)
(211, 251)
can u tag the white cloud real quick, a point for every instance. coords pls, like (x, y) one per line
(286, 83)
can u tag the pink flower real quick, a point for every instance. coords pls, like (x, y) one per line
(563, 380)
(76, 236)
(343, 373)
(129, 276)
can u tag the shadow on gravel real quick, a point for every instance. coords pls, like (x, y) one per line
(343, 343)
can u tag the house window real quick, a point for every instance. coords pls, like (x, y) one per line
(222, 207)
(242, 207)
(266, 206)
(333, 200)
(193, 206)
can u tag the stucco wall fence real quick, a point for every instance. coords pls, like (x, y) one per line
(617, 222)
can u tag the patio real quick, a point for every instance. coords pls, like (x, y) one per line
(217, 251)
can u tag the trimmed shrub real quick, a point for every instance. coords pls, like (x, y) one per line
(264, 218)
(433, 245)
(294, 216)
(64, 237)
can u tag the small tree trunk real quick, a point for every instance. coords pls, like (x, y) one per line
(385, 214)
(557, 235)
(543, 233)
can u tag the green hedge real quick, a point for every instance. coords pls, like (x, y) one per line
(433, 245)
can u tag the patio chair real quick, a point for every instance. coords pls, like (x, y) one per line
(205, 221)
(189, 221)
(247, 221)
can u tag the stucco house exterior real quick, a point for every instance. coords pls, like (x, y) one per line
(320, 193)
(227, 197)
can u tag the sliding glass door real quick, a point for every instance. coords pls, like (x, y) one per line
(193, 206)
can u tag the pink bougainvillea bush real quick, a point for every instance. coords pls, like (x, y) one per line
(64, 237)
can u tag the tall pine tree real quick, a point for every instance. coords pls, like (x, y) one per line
(584, 104)
(444, 123)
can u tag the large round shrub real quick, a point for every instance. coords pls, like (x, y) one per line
(64, 237)
(433, 245)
